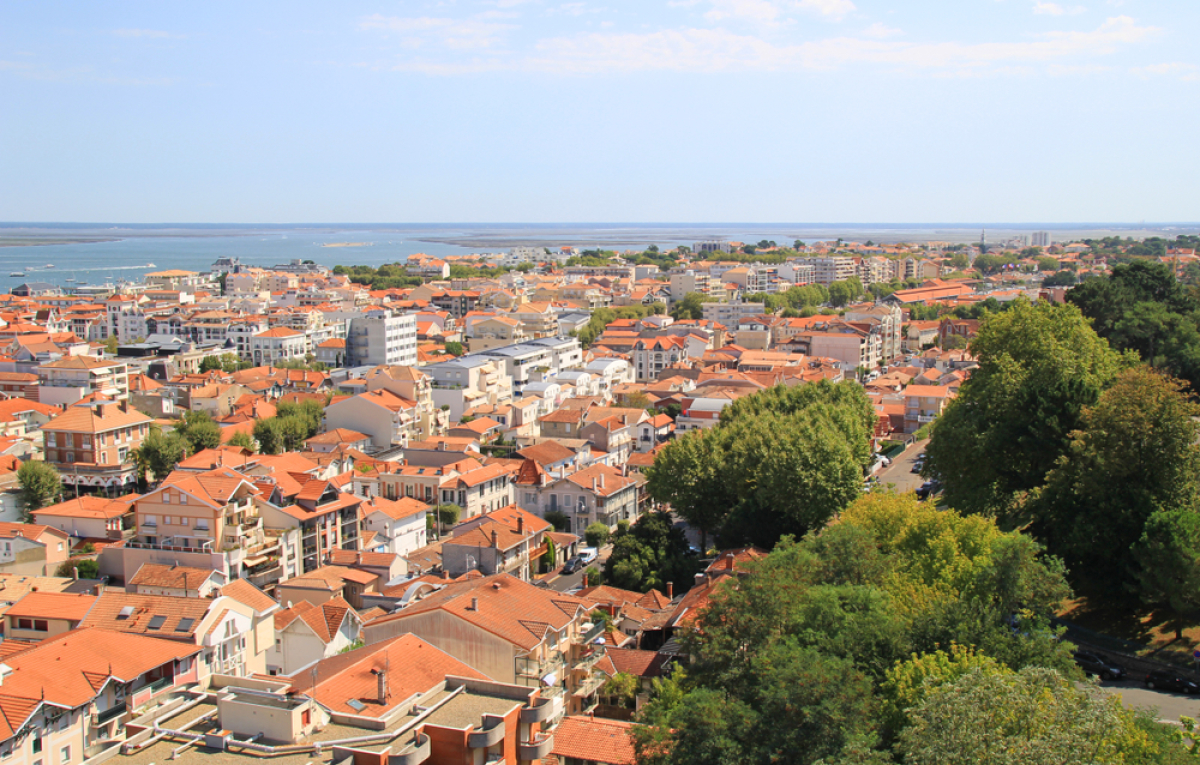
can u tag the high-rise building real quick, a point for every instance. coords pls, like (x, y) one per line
(1041, 239)
(381, 337)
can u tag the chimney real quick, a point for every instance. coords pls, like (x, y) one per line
(729, 562)
(593, 484)
(445, 575)
(670, 590)
(520, 524)
(381, 687)
(700, 578)
(495, 542)
(474, 604)
(75, 573)
(602, 480)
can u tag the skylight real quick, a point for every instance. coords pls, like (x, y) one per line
(356, 705)
(125, 613)
(156, 622)
(184, 625)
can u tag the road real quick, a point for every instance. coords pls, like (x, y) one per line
(571, 581)
(900, 472)
(1169, 707)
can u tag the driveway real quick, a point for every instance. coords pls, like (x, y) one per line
(899, 474)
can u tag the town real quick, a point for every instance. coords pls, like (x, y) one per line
(500, 507)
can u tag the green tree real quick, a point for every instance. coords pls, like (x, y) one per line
(691, 306)
(1134, 455)
(200, 431)
(455, 348)
(40, 485)
(959, 261)
(110, 345)
(293, 432)
(558, 519)
(269, 435)
(1032, 717)
(244, 440)
(311, 413)
(1039, 367)
(649, 554)
(447, 515)
(1168, 564)
(596, 535)
(210, 364)
(87, 568)
(159, 453)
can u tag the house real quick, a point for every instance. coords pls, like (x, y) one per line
(385, 417)
(70, 379)
(90, 517)
(923, 404)
(175, 581)
(41, 615)
(306, 633)
(329, 583)
(48, 711)
(330, 440)
(595, 494)
(399, 524)
(475, 488)
(509, 541)
(325, 518)
(511, 631)
(92, 445)
(32, 549)
(586, 740)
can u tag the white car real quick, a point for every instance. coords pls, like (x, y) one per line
(588, 554)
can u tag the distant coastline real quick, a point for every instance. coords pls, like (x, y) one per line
(48, 242)
(349, 244)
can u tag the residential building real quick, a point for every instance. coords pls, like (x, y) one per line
(923, 404)
(511, 631)
(175, 581)
(70, 379)
(381, 337)
(40, 615)
(399, 525)
(505, 541)
(90, 517)
(307, 633)
(91, 445)
(275, 346)
(325, 518)
(729, 314)
(387, 418)
(830, 269)
(32, 549)
(594, 494)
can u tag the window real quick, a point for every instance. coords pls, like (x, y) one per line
(183, 520)
(201, 524)
(156, 622)
(65, 755)
(166, 497)
(184, 625)
(37, 745)
(150, 520)
(25, 624)
(182, 498)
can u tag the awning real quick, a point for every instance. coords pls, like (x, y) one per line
(550, 680)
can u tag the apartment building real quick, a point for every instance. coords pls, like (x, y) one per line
(473, 487)
(890, 319)
(830, 269)
(684, 282)
(923, 404)
(306, 633)
(399, 525)
(411, 384)
(595, 494)
(72, 378)
(277, 345)
(91, 445)
(534, 360)
(469, 382)
(729, 314)
(511, 631)
(325, 518)
(382, 337)
(504, 541)
(387, 418)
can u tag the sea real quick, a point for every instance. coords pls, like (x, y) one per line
(69, 255)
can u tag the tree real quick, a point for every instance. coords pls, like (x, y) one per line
(311, 413)
(910, 682)
(1039, 367)
(621, 690)
(210, 364)
(40, 485)
(649, 554)
(558, 519)
(199, 430)
(447, 515)
(1168, 564)
(110, 345)
(592, 577)
(691, 306)
(159, 454)
(244, 440)
(550, 560)
(596, 535)
(87, 568)
(1032, 717)
(268, 435)
(1134, 455)
(959, 261)
(293, 432)
(454, 348)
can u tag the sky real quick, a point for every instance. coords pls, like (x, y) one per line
(600, 111)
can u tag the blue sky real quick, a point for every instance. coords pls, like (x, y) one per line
(595, 110)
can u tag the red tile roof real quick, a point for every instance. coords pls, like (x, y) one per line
(595, 739)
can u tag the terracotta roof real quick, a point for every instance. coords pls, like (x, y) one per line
(595, 739)
(509, 608)
(337, 436)
(324, 620)
(130, 612)
(214, 487)
(247, 594)
(96, 419)
(172, 577)
(87, 506)
(28, 530)
(546, 452)
(636, 662)
(394, 509)
(413, 667)
(53, 605)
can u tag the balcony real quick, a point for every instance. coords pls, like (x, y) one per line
(543, 709)
(414, 752)
(108, 715)
(536, 749)
(590, 686)
(490, 734)
(926, 417)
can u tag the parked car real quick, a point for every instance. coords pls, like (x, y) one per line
(929, 488)
(1169, 681)
(1095, 664)
(588, 554)
(918, 466)
(572, 565)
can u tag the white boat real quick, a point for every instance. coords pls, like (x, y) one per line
(49, 265)
(151, 265)
(17, 273)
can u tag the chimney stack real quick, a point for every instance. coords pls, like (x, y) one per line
(474, 604)
(98, 590)
(670, 590)
(729, 562)
(520, 524)
(495, 541)
(602, 480)
(381, 686)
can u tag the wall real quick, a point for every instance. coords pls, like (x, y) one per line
(464, 641)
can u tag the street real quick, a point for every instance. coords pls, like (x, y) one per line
(571, 581)
(1169, 707)
(899, 474)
